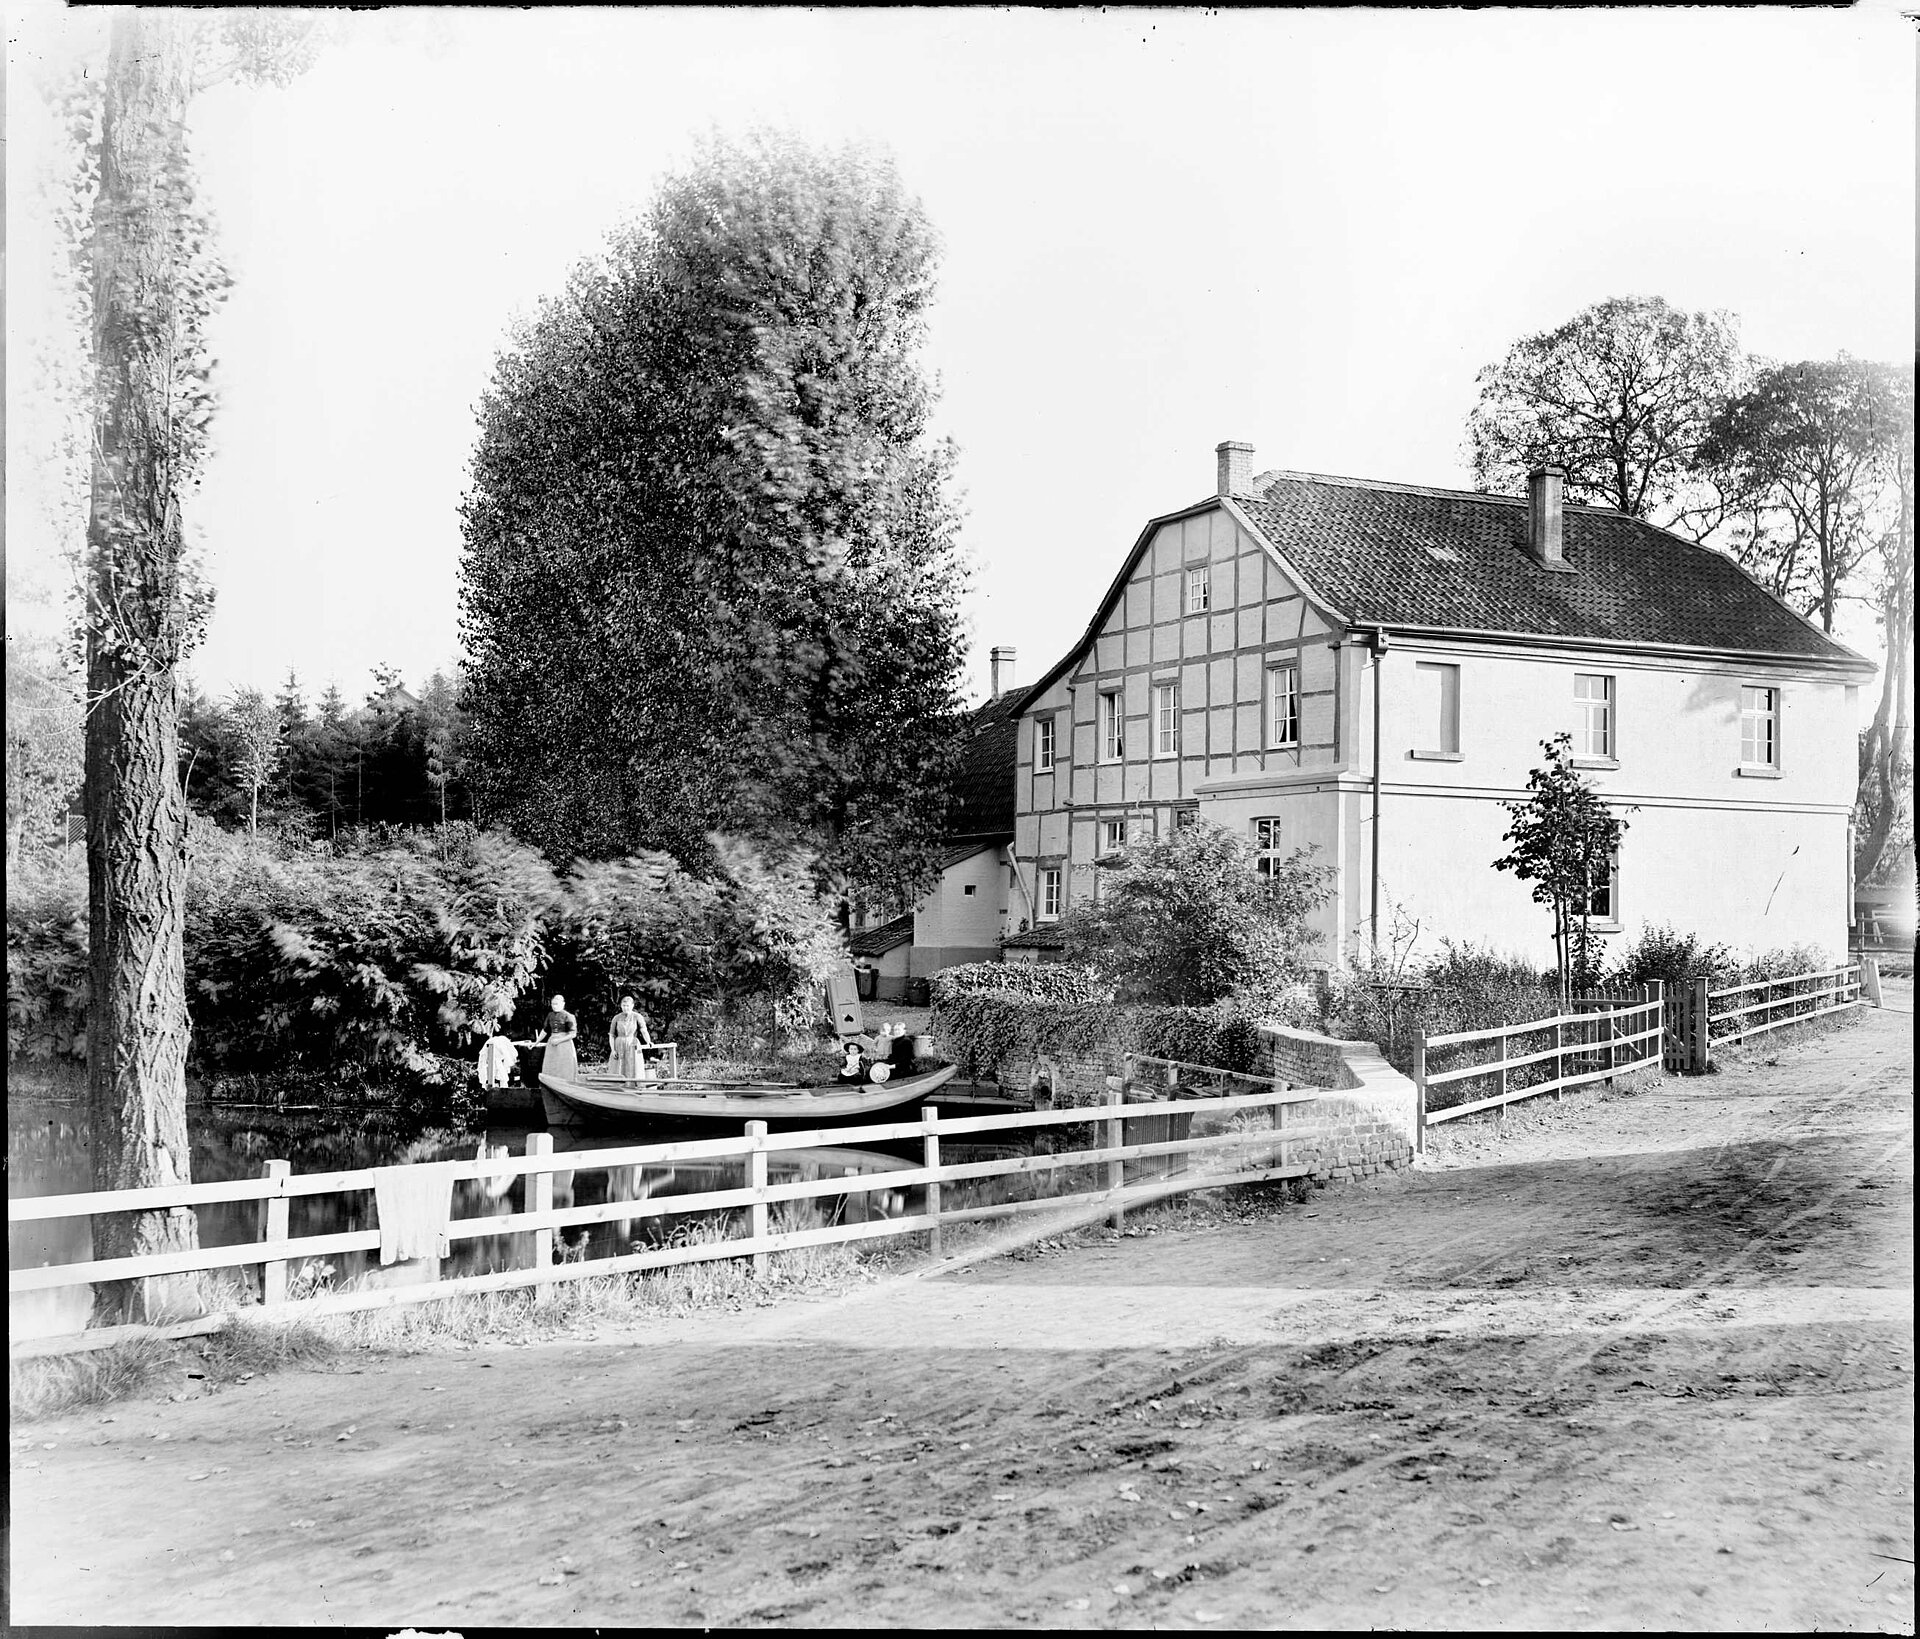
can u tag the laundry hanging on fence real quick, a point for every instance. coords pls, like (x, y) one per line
(415, 1204)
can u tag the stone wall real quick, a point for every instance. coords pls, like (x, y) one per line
(1368, 1115)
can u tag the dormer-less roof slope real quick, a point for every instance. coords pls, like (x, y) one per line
(983, 794)
(1454, 560)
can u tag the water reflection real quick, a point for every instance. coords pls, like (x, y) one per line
(47, 1154)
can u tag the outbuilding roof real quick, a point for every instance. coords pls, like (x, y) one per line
(983, 795)
(887, 936)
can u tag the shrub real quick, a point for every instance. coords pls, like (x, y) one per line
(989, 1034)
(1465, 987)
(1662, 956)
(48, 975)
(1190, 918)
(1033, 981)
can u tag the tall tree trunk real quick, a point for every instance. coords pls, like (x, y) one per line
(136, 625)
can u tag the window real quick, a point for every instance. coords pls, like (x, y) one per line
(1050, 894)
(967, 891)
(1436, 699)
(1113, 835)
(1593, 695)
(1603, 899)
(1043, 745)
(1112, 734)
(1184, 817)
(1199, 591)
(1166, 720)
(1283, 705)
(1759, 727)
(1267, 847)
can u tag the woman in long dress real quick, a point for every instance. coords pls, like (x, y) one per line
(625, 1036)
(559, 1028)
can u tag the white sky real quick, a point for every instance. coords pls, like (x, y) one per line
(1302, 229)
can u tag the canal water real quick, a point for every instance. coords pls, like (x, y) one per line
(47, 1154)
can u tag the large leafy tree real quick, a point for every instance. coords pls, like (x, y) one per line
(711, 573)
(1621, 395)
(1806, 443)
(1886, 748)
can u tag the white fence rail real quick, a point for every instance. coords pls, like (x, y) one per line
(1248, 1156)
(1597, 1043)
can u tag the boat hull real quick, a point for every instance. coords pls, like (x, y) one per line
(573, 1103)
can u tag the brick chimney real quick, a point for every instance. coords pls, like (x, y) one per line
(1000, 664)
(1236, 468)
(1545, 486)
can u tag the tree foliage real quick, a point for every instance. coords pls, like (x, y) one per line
(1563, 841)
(1191, 918)
(711, 573)
(1803, 444)
(1621, 395)
(44, 747)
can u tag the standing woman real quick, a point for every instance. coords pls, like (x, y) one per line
(559, 1028)
(624, 1037)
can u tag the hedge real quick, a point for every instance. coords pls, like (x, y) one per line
(986, 1034)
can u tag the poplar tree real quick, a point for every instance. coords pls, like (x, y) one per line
(711, 571)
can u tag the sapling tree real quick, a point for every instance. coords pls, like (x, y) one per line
(1564, 839)
(259, 742)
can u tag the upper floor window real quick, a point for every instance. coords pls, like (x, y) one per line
(1436, 692)
(1759, 727)
(1113, 835)
(1593, 696)
(1283, 705)
(1043, 745)
(1050, 893)
(1112, 728)
(1199, 591)
(1185, 817)
(1166, 720)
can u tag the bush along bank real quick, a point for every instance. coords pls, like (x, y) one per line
(378, 962)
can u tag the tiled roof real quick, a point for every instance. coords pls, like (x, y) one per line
(1455, 560)
(1033, 939)
(965, 850)
(983, 786)
(888, 936)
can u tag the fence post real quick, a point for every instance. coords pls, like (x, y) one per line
(757, 1182)
(1116, 1136)
(273, 1273)
(540, 1199)
(1870, 979)
(1559, 1060)
(930, 1158)
(1699, 1025)
(1420, 1094)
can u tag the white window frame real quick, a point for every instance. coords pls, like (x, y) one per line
(1752, 715)
(1113, 726)
(1047, 893)
(1450, 724)
(1269, 846)
(1609, 920)
(1283, 734)
(1044, 749)
(1595, 708)
(1166, 719)
(1199, 590)
(1113, 835)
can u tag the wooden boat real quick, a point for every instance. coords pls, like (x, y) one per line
(609, 1102)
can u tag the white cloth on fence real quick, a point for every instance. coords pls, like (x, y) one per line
(415, 1204)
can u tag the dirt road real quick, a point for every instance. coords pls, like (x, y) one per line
(1637, 1362)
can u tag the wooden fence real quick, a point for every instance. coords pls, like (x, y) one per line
(1606, 1036)
(1706, 1016)
(1121, 1134)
